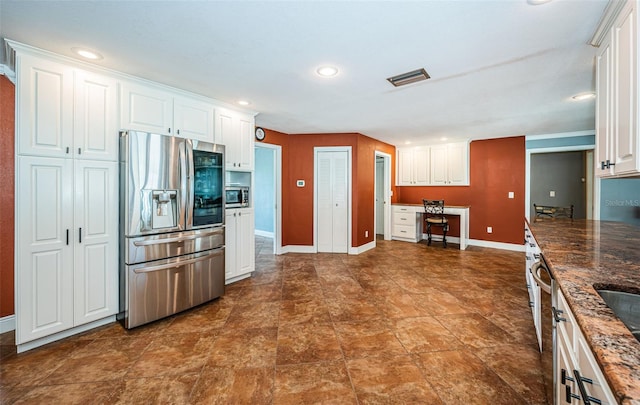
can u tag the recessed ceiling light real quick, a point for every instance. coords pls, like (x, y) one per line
(327, 71)
(244, 102)
(407, 142)
(444, 138)
(87, 54)
(537, 2)
(584, 96)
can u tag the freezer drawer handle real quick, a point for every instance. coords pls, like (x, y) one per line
(178, 264)
(172, 240)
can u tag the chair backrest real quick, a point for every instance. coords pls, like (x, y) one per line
(433, 207)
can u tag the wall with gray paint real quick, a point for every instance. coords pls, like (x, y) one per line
(564, 174)
(620, 200)
(264, 193)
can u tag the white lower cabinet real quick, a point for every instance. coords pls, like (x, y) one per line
(405, 224)
(532, 255)
(577, 372)
(239, 244)
(67, 235)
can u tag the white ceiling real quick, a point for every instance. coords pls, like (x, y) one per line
(498, 68)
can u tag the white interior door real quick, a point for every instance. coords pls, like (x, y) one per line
(332, 200)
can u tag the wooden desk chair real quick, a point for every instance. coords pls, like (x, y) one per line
(434, 215)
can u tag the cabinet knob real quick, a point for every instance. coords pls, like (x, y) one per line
(178, 132)
(67, 150)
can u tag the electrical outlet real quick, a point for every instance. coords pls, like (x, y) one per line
(366, 234)
(489, 229)
(552, 193)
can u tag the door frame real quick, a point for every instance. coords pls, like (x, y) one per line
(319, 149)
(387, 194)
(277, 181)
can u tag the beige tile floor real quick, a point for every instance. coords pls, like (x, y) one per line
(401, 324)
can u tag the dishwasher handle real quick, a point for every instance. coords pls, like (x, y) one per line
(535, 272)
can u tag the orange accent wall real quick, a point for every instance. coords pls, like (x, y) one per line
(298, 163)
(7, 152)
(496, 167)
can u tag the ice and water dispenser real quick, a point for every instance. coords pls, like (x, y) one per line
(164, 209)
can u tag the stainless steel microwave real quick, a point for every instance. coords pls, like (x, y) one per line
(237, 196)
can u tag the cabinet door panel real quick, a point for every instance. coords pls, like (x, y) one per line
(96, 257)
(405, 167)
(246, 242)
(439, 165)
(625, 147)
(95, 126)
(231, 244)
(457, 163)
(604, 105)
(45, 107)
(44, 279)
(246, 134)
(193, 119)
(146, 109)
(421, 166)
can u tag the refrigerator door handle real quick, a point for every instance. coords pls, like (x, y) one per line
(188, 179)
(180, 263)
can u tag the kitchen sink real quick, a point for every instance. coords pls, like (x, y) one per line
(626, 306)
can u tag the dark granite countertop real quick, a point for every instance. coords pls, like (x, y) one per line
(582, 254)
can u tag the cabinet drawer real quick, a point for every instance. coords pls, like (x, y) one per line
(566, 327)
(404, 231)
(404, 218)
(589, 369)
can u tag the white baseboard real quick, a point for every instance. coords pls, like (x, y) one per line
(265, 234)
(362, 248)
(7, 323)
(61, 335)
(496, 245)
(299, 249)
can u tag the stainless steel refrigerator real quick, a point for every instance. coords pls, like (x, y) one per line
(171, 225)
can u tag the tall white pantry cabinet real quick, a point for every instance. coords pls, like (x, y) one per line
(66, 199)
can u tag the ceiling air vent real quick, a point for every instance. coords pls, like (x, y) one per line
(409, 77)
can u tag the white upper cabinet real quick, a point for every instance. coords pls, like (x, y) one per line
(435, 165)
(618, 149)
(145, 108)
(413, 166)
(450, 164)
(44, 107)
(193, 119)
(95, 122)
(235, 130)
(65, 112)
(150, 109)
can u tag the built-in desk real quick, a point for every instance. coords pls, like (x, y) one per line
(407, 222)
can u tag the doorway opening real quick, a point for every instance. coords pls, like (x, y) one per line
(382, 211)
(561, 177)
(267, 193)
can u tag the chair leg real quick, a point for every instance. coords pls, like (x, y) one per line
(444, 236)
(428, 234)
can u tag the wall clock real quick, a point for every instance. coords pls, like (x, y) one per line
(259, 133)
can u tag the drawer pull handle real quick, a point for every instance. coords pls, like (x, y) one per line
(583, 391)
(557, 313)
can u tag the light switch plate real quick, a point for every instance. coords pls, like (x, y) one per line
(552, 193)
(511, 194)
(300, 183)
